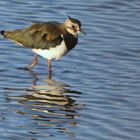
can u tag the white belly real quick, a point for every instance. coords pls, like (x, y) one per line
(52, 53)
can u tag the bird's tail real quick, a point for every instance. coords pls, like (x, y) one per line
(2, 32)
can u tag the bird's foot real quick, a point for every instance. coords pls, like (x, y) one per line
(28, 67)
(31, 66)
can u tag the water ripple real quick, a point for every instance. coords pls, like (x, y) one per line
(94, 90)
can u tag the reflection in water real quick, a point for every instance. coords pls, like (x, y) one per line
(51, 106)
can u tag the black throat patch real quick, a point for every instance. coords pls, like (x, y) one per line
(70, 41)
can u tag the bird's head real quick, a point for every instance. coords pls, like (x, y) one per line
(73, 26)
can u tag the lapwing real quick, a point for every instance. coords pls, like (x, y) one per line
(51, 40)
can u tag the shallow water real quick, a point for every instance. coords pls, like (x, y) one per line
(94, 93)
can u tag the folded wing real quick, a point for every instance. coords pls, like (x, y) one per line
(38, 36)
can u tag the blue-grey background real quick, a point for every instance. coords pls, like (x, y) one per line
(94, 93)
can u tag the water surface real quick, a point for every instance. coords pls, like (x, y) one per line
(94, 92)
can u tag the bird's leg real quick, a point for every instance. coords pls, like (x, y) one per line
(49, 66)
(49, 69)
(34, 62)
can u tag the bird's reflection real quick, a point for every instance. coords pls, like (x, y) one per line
(51, 92)
(51, 104)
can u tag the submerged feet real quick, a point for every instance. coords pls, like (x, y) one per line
(34, 62)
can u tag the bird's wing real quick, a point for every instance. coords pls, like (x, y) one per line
(38, 36)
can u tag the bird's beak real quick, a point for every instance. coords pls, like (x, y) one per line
(81, 31)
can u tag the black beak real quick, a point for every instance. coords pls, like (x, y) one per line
(82, 32)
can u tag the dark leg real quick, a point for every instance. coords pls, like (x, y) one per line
(49, 66)
(49, 69)
(34, 62)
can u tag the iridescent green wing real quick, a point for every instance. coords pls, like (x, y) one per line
(39, 35)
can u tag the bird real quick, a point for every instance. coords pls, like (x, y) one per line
(51, 39)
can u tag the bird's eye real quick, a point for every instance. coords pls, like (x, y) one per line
(73, 27)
